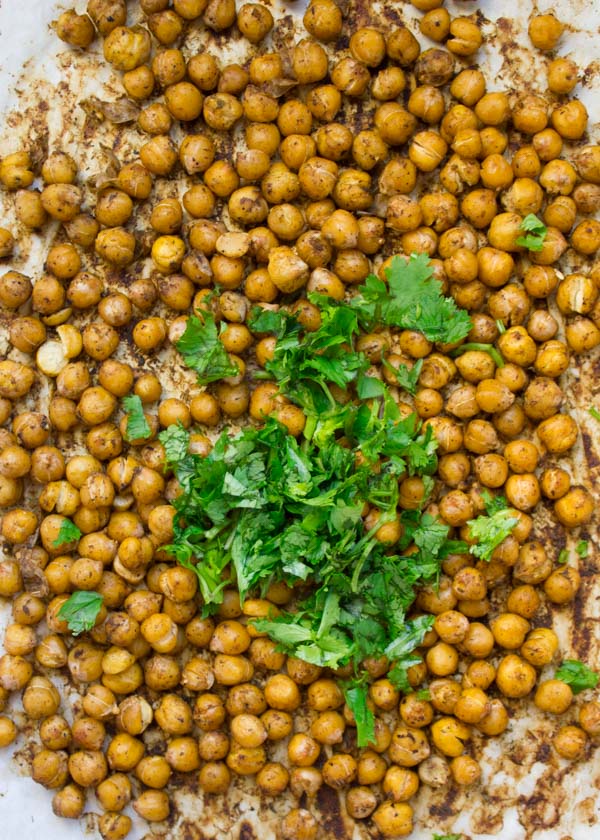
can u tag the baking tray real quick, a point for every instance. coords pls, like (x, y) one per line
(526, 792)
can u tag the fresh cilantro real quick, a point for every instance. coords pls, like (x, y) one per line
(398, 674)
(577, 675)
(563, 557)
(137, 427)
(500, 326)
(267, 508)
(594, 412)
(407, 379)
(582, 548)
(489, 531)
(175, 440)
(484, 348)
(535, 233)
(411, 299)
(401, 651)
(67, 533)
(493, 503)
(262, 507)
(424, 694)
(356, 694)
(447, 837)
(81, 611)
(203, 352)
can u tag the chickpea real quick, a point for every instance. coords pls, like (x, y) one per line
(50, 768)
(15, 171)
(394, 819)
(323, 20)
(75, 30)
(545, 31)
(574, 508)
(589, 718)
(570, 742)
(127, 48)
(152, 805)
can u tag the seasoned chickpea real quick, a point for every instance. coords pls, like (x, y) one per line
(570, 742)
(545, 31)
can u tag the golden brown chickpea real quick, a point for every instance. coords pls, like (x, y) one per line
(323, 20)
(15, 289)
(545, 31)
(113, 207)
(55, 733)
(570, 742)
(152, 805)
(27, 333)
(88, 767)
(50, 768)
(562, 585)
(466, 37)
(75, 30)
(570, 119)
(589, 718)
(449, 736)
(254, 22)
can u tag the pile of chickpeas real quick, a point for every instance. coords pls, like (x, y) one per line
(302, 170)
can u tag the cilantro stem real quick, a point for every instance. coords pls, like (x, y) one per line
(485, 348)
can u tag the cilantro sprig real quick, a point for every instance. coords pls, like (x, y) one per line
(577, 675)
(411, 299)
(81, 611)
(489, 531)
(203, 351)
(67, 533)
(137, 427)
(535, 233)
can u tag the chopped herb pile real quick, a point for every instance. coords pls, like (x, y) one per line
(577, 675)
(263, 507)
(137, 427)
(535, 233)
(81, 611)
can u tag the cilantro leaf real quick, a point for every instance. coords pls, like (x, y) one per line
(577, 675)
(175, 440)
(356, 694)
(398, 674)
(81, 611)
(405, 378)
(582, 548)
(67, 533)
(493, 504)
(563, 557)
(413, 300)
(203, 352)
(490, 531)
(594, 412)
(137, 427)
(535, 233)
(447, 837)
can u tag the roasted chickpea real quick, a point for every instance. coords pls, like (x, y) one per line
(570, 742)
